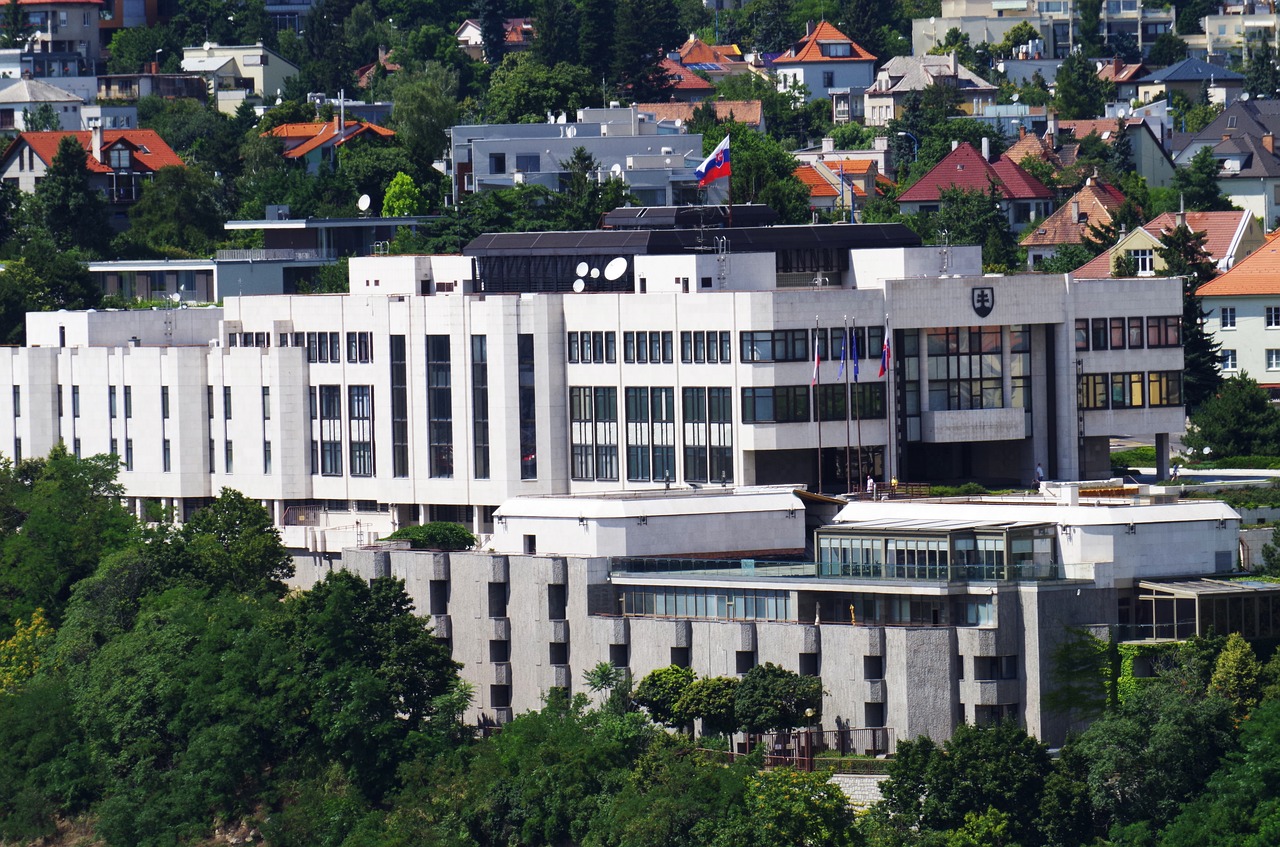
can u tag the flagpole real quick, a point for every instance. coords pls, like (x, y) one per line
(890, 396)
(857, 400)
(817, 400)
(844, 366)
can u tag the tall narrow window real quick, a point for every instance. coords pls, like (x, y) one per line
(266, 458)
(331, 430)
(360, 412)
(439, 406)
(164, 402)
(75, 401)
(638, 436)
(166, 456)
(480, 404)
(228, 455)
(695, 434)
(226, 403)
(128, 454)
(111, 401)
(528, 407)
(399, 409)
(128, 401)
(720, 434)
(17, 401)
(266, 403)
(662, 407)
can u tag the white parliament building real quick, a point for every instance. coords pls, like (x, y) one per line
(556, 363)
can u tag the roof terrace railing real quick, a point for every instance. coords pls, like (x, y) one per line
(893, 571)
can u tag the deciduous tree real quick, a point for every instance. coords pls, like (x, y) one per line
(1238, 420)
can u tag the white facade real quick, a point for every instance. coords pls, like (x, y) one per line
(436, 389)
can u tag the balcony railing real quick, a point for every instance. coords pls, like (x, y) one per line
(901, 572)
(276, 254)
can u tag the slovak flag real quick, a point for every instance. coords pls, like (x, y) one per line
(817, 360)
(715, 166)
(884, 355)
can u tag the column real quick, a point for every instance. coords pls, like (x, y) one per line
(1162, 455)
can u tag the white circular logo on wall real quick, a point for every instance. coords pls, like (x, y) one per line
(613, 272)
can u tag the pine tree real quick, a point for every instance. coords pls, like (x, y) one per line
(1183, 253)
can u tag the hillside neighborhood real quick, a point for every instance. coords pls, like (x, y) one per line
(639, 422)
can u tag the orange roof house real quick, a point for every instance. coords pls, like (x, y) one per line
(747, 112)
(316, 142)
(1241, 315)
(832, 66)
(686, 86)
(1025, 199)
(1092, 205)
(119, 161)
(1229, 237)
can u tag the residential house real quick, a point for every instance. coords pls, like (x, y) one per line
(717, 62)
(831, 66)
(133, 87)
(238, 73)
(20, 97)
(676, 114)
(1243, 308)
(1228, 28)
(517, 35)
(823, 196)
(1023, 198)
(1229, 237)
(119, 161)
(1093, 205)
(1243, 141)
(1150, 160)
(878, 155)
(686, 86)
(1124, 76)
(656, 161)
(848, 184)
(316, 144)
(64, 27)
(903, 75)
(1191, 77)
(115, 15)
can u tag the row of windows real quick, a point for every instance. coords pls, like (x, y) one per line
(1227, 317)
(1130, 390)
(1128, 333)
(1230, 360)
(796, 345)
(792, 403)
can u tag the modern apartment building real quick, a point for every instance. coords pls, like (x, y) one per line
(581, 362)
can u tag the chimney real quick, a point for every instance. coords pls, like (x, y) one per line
(955, 64)
(1075, 211)
(97, 140)
(828, 144)
(1269, 142)
(1022, 132)
(986, 148)
(1226, 136)
(808, 28)
(1116, 64)
(955, 144)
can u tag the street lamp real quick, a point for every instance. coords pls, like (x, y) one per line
(915, 144)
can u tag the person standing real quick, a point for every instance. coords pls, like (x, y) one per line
(871, 487)
(1039, 473)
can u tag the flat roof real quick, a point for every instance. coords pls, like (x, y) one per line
(328, 223)
(937, 515)
(1207, 587)
(712, 500)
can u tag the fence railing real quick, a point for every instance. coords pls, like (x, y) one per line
(274, 254)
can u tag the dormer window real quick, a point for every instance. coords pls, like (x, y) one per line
(119, 158)
(837, 50)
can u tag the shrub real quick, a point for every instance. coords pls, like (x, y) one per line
(437, 535)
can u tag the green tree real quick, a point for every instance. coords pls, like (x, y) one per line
(179, 213)
(595, 43)
(1238, 420)
(558, 28)
(20, 653)
(424, 108)
(43, 280)
(1080, 94)
(785, 807)
(978, 217)
(659, 693)
(71, 516)
(712, 700)
(17, 29)
(1067, 258)
(1166, 50)
(371, 167)
(43, 118)
(643, 31)
(236, 547)
(1236, 675)
(403, 198)
(1197, 183)
(1089, 33)
(1271, 557)
(763, 172)
(1184, 254)
(133, 48)
(524, 90)
(773, 698)
(1261, 77)
(74, 212)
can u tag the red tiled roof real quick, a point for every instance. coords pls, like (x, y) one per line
(1096, 203)
(748, 112)
(317, 134)
(849, 166)
(149, 149)
(684, 79)
(818, 187)
(1099, 267)
(1257, 273)
(697, 51)
(965, 168)
(1219, 228)
(809, 48)
(1117, 71)
(1104, 127)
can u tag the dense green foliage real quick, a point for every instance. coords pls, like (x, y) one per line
(437, 535)
(1238, 420)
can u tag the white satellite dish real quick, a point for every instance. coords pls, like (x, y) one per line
(579, 286)
(363, 203)
(595, 273)
(175, 297)
(615, 269)
(616, 170)
(582, 269)
(1244, 96)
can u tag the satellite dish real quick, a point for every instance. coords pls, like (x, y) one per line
(207, 45)
(175, 297)
(363, 203)
(582, 269)
(1244, 95)
(1015, 97)
(595, 273)
(615, 269)
(616, 170)
(579, 286)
